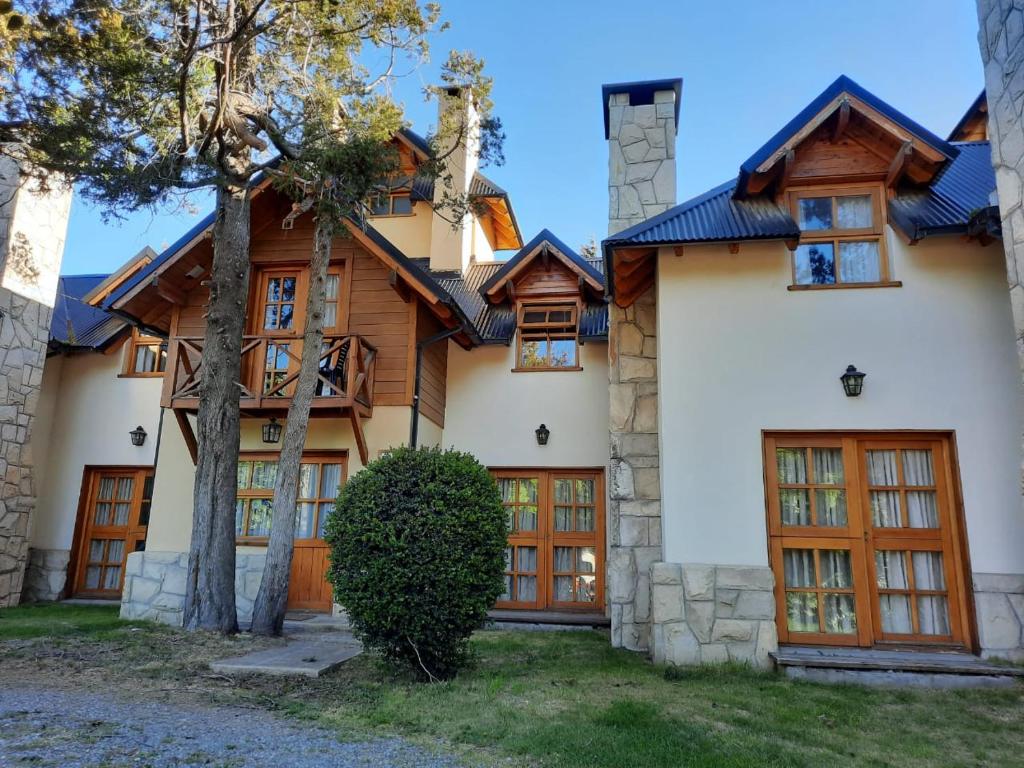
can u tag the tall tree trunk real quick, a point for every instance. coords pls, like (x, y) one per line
(272, 598)
(210, 588)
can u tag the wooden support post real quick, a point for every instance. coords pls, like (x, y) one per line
(357, 430)
(899, 164)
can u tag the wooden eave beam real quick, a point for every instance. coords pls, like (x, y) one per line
(629, 289)
(899, 165)
(168, 292)
(510, 290)
(357, 430)
(399, 285)
(842, 121)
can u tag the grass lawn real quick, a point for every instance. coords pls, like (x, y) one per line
(550, 699)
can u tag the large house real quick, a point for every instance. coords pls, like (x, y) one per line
(786, 411)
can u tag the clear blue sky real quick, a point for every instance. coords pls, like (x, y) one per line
(748, 66)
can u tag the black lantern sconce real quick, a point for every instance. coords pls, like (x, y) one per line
(543, 433)
(271, 431)
(853, 381)
(138, 435)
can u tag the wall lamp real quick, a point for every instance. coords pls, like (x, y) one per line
(853, 381)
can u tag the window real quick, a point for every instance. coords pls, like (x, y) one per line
(279, 297)
(320, 478)
(547, 337)
(147, 355)
(841, 240)
(395, 204)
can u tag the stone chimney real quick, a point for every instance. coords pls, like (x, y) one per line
(640, 121)
(33, 223)
(452, 248)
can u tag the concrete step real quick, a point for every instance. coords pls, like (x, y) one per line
(902, 667)
(564, 618)
(308, 655)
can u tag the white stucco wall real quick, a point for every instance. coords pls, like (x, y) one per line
(170, 528)
(409, 234)
(493, 412)
(738, 354)
(86, 413)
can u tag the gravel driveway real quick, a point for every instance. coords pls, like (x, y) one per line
(60, 728)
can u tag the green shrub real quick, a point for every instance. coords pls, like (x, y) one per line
(418, 556)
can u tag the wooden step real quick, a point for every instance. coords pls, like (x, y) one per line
(884, 660)
(570, 618)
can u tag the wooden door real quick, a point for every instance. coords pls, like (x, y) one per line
(555, 554)
(113, 522)
(864, 543)
(319, 482)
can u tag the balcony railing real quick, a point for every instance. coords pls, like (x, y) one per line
(270, 369)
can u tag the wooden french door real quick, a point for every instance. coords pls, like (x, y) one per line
(113, 523)
(865, 545)
(555, 554)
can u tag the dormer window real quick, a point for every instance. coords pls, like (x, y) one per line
(841, 240)
(548, 337)
(393, 204)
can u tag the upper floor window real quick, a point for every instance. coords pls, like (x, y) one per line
(394, 204)
(147, 355)
(280, 291)
(548, 337)
(841, 240)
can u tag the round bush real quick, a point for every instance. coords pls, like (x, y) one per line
(418, 555)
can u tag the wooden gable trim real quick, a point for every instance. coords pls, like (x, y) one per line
(140, 261)
(545, 249)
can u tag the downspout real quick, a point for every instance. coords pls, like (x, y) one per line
(414, 427)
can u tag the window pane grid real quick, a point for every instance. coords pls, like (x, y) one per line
(821, 600)
(843, 242)
(902, 599)
(901, 488)
(319, 483)
(812, 486)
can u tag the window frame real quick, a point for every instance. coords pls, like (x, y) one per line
(547, 331)
(308, 457)
(137, 340)
(401, 193)
(835, 236)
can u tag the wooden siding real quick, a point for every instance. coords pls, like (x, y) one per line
(819, 158)
(434, 374)
(539, 282)
(375, 310)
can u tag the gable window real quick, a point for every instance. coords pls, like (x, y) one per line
(147, 355)
(394, 204)
(841, 240)
(548, 337)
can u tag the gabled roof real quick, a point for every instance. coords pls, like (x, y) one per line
(76, 324)
(825, 104)
(483, 189)
(544, 242)
(973, 122)
(496, 323)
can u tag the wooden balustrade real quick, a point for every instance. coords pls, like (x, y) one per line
(270, 368)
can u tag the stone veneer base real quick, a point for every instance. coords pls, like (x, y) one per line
(999, 607)
(154, 585)
(46, 575)
(711, 614)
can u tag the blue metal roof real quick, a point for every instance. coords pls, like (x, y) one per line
(962, 188)
(545, 235)
(842, 84)
(77, 324)
(712, 217)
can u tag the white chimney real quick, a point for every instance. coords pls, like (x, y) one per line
(640, 122)
(450, 248)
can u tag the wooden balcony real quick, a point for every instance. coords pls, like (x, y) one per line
(270, 368)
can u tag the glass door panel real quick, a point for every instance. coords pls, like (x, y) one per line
(523, 497)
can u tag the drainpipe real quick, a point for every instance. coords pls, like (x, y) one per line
(420, 346)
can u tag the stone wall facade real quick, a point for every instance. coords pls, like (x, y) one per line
(33, 223)
(999, 598)
(154, 585)
(710, 614)
(999, 605)
(641, 184)
(46, 575)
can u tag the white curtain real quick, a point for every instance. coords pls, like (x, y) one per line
(792, 465)
(885, 505)
(798, 568)
(853, 212)
(859, 262)
(922, 508)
